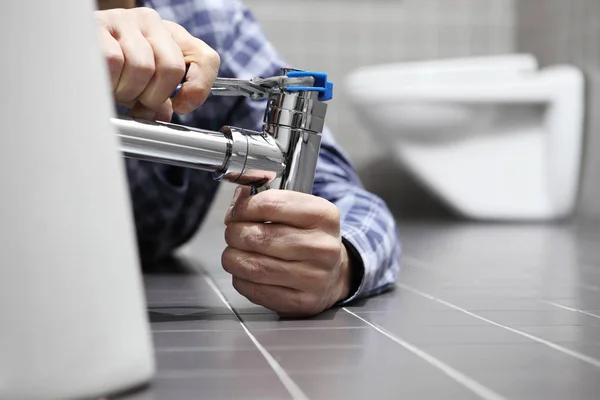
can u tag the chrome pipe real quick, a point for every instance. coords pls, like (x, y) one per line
(283, 156)
(172, 144)
(232, 154)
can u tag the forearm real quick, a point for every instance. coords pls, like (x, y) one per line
(368, 229)
(370, 236)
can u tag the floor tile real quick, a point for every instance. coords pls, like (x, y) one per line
(303, 338)
(208, 323)
(332, 319)
(509, 274)
(555, 317)
(228, 339)
(384, 385)
(448, 335)
(233, 361)
(220, 388)
(414, 318)
(522, 371)
(566, 334)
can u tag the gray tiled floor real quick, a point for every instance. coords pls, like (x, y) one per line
(480, 312)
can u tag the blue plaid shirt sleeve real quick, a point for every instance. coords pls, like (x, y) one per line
(368, 228)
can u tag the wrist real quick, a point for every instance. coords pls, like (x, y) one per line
(351, 272)
(345, 276)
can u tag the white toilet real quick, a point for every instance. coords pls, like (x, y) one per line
(495, 138)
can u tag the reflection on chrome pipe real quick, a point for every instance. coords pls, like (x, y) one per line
(302, 154)
(255, 159)
(236, 155)
(172, 144)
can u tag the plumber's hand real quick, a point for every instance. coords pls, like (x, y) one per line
(296, 265)
(147, 57)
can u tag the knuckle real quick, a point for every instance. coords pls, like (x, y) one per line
(143, 68)
(260, 236)
(195, 94)
(257, 270)
(148, 13)
(112, 18)
(176, 68)
(115, 59)
(334, 214)
(201, 91)
(172, 70)
(333, 250)
(235, 282)
(321, 277)
(171, 65)
(271, 202)
(212, 56)
(230, 232)
(103, 17)
(328, 248)
(328, 216)
(174, 27)
(226, 259)
(308, 303)
(256, 292)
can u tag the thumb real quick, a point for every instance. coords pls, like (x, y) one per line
(203, 67)
(240, 192)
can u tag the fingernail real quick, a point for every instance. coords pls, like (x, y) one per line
(229, 213)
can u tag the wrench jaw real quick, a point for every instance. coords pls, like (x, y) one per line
(238, 87)
(259, 88)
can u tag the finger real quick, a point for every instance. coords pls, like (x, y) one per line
(203, 68)
(141, 111)
(287, 207)
(164, 112)
(279, 299)
(240, 191)
(282, 241)
(168, 60)
(139, 62)
(114, 56)
(267, 270)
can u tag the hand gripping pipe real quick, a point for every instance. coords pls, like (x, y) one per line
(283, 156)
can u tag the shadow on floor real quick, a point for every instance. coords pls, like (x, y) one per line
(174, 265)
(405, 196)
(189, 313)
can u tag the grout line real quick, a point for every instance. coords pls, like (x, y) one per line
(285, 379)
(571, 309)
(471, 384)
(580, 356)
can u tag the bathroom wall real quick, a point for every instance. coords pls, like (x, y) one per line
(559, 31)
(338, 36)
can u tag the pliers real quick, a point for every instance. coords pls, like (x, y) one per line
(259, 88)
